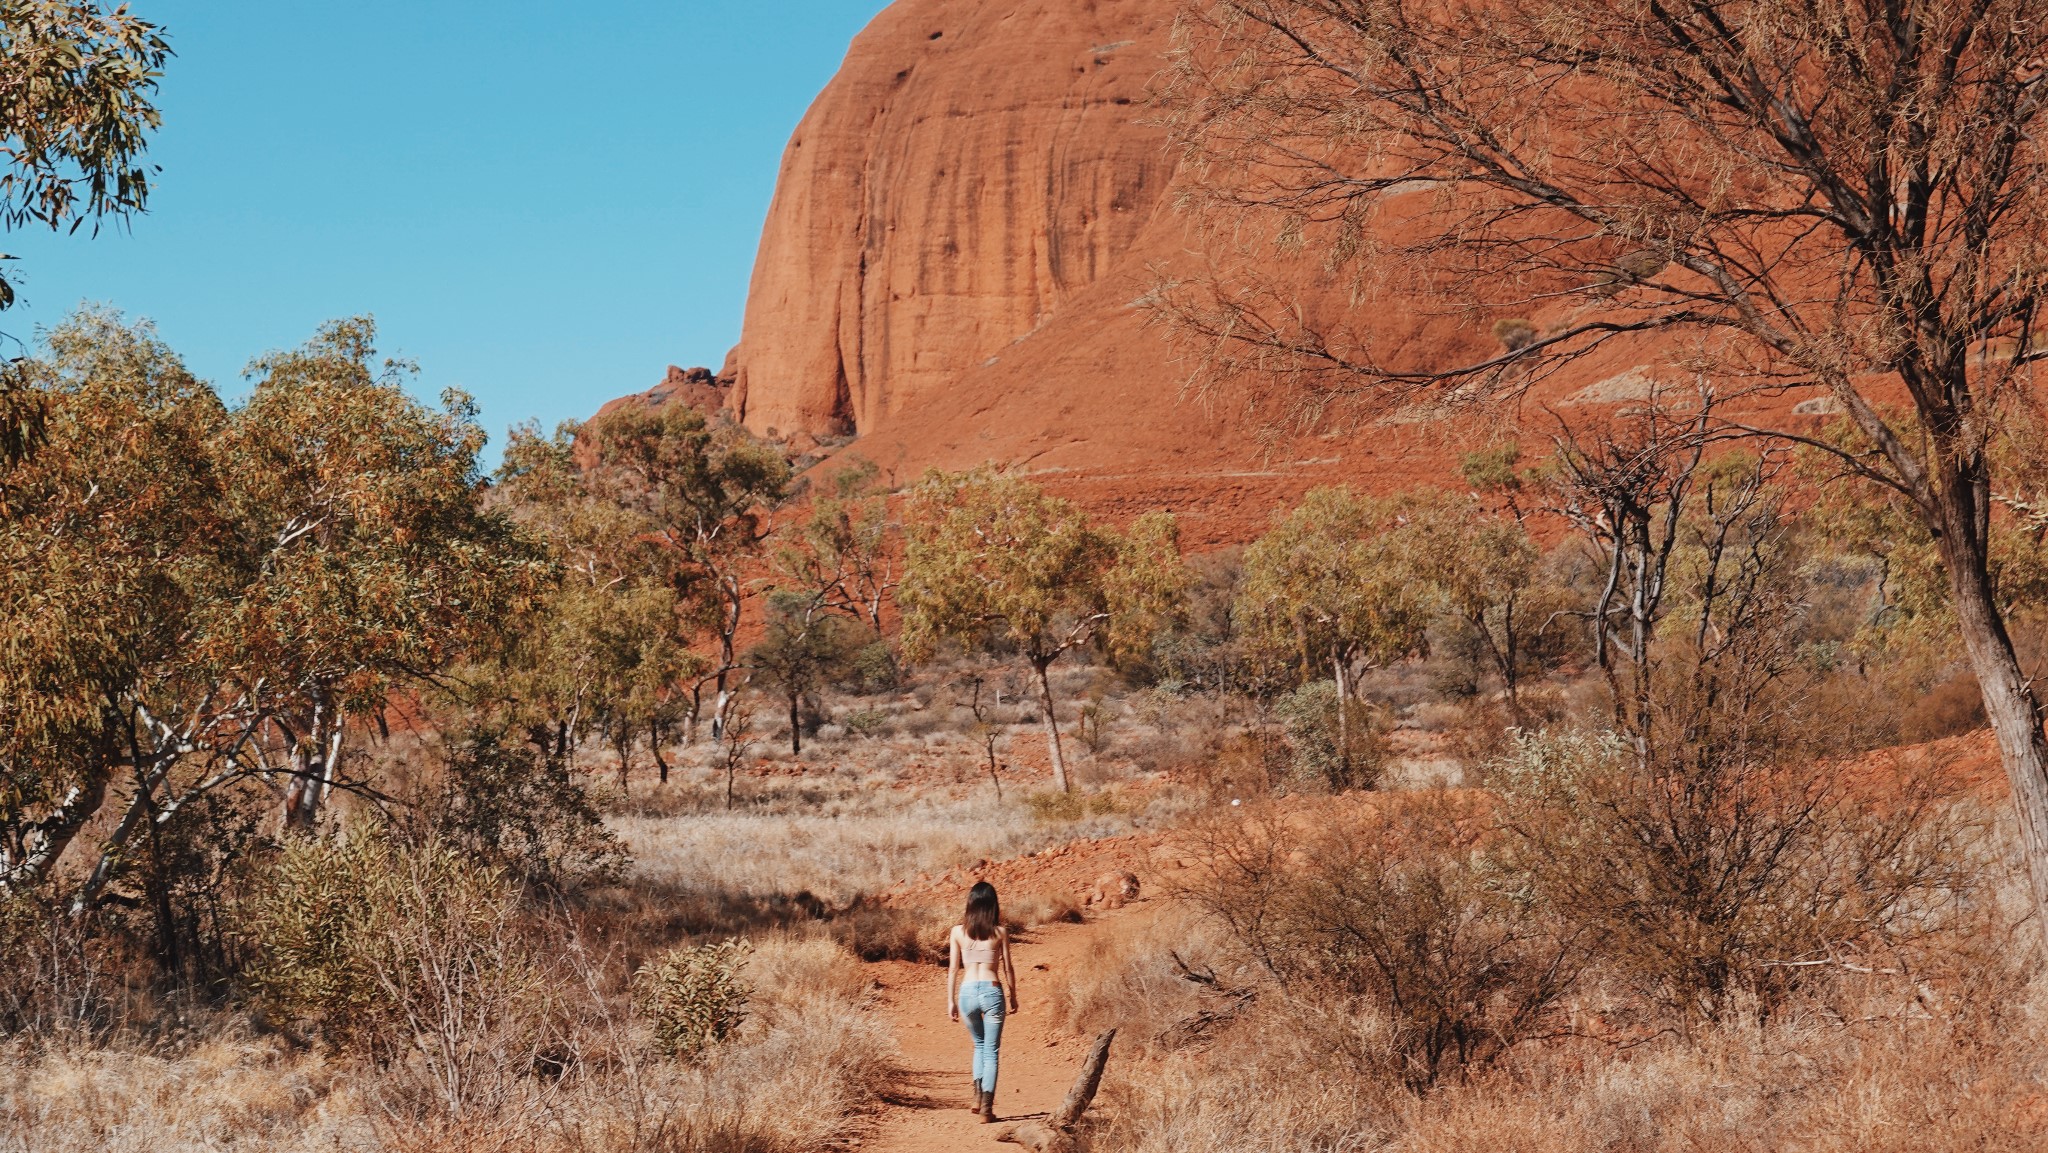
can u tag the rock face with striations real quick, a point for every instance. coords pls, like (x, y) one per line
(964, 226)
(972, 169)
(951, 273)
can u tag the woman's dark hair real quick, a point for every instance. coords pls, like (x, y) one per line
(984, 913)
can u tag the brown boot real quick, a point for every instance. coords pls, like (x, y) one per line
(988, 1106)
(974, 1106)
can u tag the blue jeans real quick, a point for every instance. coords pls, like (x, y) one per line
(981, 1006)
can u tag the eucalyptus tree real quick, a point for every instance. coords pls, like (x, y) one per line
(77, 107)
(703, 496)
(608, 649)
(110, 536)
(363, 552)
(840, 555)
(804, 647)
(992, 561)
(1482, 565)
(199, 596)
(1334, 582)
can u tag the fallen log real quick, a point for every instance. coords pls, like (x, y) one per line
(1059, 1133)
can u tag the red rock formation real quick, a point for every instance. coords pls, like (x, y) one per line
(964, 223)
(972, 168)
(694, 387)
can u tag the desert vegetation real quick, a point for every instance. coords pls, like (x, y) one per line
(1619, 789)
(413, 804)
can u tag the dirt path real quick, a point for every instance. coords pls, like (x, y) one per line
(929, 1113)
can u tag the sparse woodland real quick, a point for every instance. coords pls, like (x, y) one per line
(1620, 791)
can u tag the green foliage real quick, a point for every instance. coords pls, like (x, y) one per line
(1488, 575)
(207, 596)
(360, 935)
(21, 425)
(866, 722)
(994, 561)
(311, 926)
(694, 997)
(806, 647)
(1322, 752)
(1206, 649)
(839, 555)
(1146, 587)
(1494, 470)
(1879, 529)
(611, 643)
(704, 491)
(870, 670)
(517, 809)
(656, 516)
(111, 538)
(1338, 580)
(76, 112)
(365, 548)
(699, 496)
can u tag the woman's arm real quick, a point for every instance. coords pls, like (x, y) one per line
(952, 972)
(1009, 970)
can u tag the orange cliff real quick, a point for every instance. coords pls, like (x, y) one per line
(971, 170)
(965, 224)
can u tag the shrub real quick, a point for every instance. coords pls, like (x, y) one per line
(877, 932)
(871, 670)
(313, 925)
(1031, 910)
(1056, 806)
(409, 954)
(1324, 753)
(1053, 806)
(1712, 887)
(509, 807)
(55, 974)
(1090, 728)
(1396, 922)
(868, 723)
(694, 997)
(802, 974)
(1514, 333)
(1954, 706)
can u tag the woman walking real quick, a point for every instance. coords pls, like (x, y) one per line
(980, 961)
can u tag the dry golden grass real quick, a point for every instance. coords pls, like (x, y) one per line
(836, 840)
(1953, 1059)
(803, 1075)
(1926, 1085)
(229, 1093)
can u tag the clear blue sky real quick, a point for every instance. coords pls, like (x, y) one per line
(544, 203)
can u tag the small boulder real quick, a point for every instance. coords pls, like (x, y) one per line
(1111, 890)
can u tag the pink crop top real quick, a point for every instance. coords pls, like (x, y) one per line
(973, 952)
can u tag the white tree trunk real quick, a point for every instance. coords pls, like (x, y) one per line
(2011, 707)
(1052, 732)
